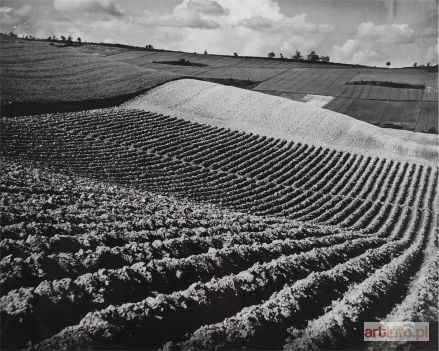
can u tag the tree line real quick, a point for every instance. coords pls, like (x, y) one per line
(311, 57)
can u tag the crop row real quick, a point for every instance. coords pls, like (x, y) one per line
(180, 312)
(213, 164)
(265, 325)
(201, 303)
(65, 301)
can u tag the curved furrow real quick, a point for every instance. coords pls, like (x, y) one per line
(201, 303)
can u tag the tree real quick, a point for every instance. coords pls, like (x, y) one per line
(271, 54)
(428, 64)
(235, 54)
(297, 56)
(63, 38)
(205, 52)
(12, 35)
(313, 57)
(388, 64)
(79, 40)
(149, 47)
(415, 65)
(324, 58)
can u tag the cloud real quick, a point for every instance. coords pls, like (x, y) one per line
(375, 44)
(248, 27)
(386, 33)
(432, 54)
(180, 18)
(356, 52)
(208, 7)
(257, 22)
(88, 6)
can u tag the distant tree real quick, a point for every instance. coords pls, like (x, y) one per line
(388, 64)
(63, 38)
(271, 54)
(415, 65)
(12, 35)
(324, 58)
(235, 54)
(281, 56)
(54, 37)
(205, 52)
(149, 47)
(79, 41)
(428, 64)
(313, 57)
(297, 56)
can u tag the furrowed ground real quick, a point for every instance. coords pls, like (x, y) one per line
(304, 244)
(38, 78)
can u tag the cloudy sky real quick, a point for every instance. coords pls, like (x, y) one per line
(355, 31)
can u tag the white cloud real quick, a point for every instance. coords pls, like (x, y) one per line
(257, 22)
(386, 33)
(432, 54)
(208, 7)
(355, 51)
(89, 6)
(375, 44)
(179, 18)
(5, 9)
(248, 27)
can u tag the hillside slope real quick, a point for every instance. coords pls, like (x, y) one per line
(37, 78)
(254, 112)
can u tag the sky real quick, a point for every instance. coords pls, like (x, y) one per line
(369, 32)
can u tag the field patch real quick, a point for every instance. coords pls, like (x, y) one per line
(316, 81)
(401, 76)
(431, 90)
(376, 92)
(428, 117)
(250, 111)
(393, 114)
(40, 78)
(317, 100)
(255, 74)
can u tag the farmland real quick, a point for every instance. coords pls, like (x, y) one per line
(67, 88)
(145, 207)
(293, 228)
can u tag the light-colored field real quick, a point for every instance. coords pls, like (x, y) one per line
(316, 100)
(258, 113)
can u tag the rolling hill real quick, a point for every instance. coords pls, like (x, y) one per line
(190, 215)
(395, 98)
